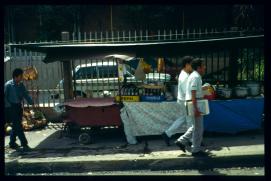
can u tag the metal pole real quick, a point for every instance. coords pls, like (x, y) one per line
(96, 36)
(111, 18)
(183, 19)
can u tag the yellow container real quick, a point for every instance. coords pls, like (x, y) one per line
(160, 65)
(127, 98)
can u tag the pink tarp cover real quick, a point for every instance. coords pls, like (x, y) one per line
(90, 102)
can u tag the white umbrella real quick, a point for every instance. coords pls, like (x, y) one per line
(122, 57)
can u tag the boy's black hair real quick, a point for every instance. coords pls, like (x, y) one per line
(197, 62)
(186, 60)
(16, 72)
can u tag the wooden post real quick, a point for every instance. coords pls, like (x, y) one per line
(67, 85)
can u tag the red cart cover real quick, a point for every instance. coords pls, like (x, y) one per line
(90, 102)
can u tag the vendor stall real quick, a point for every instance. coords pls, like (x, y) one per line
(226, 116)
(148, 106)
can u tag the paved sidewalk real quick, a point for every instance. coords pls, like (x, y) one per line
(110, 152)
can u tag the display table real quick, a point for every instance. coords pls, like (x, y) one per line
(145, 118)
(227, 116)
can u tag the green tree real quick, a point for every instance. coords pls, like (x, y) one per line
(244, 15)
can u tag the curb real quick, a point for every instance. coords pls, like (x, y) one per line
(14, 167)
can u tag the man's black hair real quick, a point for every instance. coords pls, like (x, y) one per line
(197, 62)
(16, 72)
(186, 60)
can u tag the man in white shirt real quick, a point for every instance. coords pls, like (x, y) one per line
(182, 80)
(194, 92)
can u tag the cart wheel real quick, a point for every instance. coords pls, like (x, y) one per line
(84, 138)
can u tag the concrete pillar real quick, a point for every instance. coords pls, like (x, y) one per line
(67, 85)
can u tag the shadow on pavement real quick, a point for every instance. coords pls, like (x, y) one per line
(113, 141)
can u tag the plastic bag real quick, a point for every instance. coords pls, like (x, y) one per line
(121, 71)
(139, 72)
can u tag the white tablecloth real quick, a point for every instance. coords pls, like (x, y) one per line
(145, 118)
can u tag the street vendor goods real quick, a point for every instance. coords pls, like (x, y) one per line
(139, 72)
(7, 129)
(30, 73)
(241, 92)
(33, 119)
(129, 93)
(161, 65)
(209, 93)
(253, 88)
(121, 71)
(224, 92)
(202, 104)
(146, 67)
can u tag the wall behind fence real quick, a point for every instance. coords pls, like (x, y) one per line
(49, 75)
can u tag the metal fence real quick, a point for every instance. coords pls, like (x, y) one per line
(158, 35)
(98, 80)
(161, 35)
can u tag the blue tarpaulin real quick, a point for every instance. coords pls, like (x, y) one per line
(232, 116)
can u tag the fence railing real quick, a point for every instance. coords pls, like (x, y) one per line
(152, 36)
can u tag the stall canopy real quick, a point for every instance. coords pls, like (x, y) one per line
(121, 57)
(70, 51)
